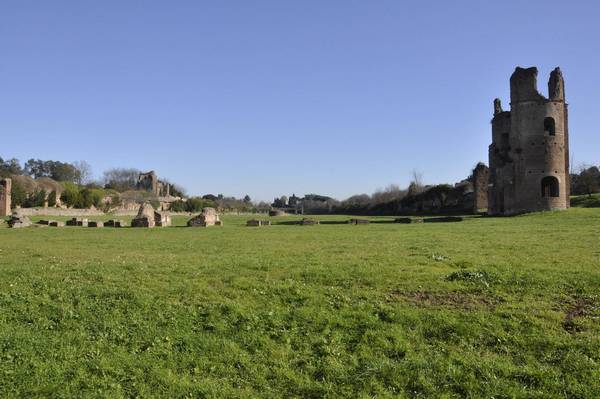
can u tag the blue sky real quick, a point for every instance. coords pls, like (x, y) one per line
(278, 97)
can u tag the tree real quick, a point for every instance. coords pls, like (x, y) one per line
(10, 167)
(247, 199)
(36, 168)
(416, 183)
(84, 170)
(59, 171)
(587, 181)
(63, 171)
(121, 179)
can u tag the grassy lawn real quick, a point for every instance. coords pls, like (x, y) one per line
(488, 307)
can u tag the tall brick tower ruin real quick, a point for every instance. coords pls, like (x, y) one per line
(5, 193)
(529, 154)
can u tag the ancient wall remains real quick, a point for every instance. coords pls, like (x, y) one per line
(150, 182)
(481, 175)
(5, 196)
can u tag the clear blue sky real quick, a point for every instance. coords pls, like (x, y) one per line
(281, 97)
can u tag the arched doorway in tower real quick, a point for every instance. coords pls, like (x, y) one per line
(550, 187)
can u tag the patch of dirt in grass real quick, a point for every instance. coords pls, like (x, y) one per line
(580, 308)
(453, 299)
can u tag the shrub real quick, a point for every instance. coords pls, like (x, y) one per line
(18, 194)
(178, 206)
(195, 204)
(37, 198)
(52, 199)
(71, 195)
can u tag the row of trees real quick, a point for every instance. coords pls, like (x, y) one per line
(195, 204)
(586, 180)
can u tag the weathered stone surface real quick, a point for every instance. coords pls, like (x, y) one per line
(114, 223)
(308, 222)
(481, 175)
(56, 223)
(358, 221)
(529, 154)
(145, 216)
(43, 222)
(82, 222)
(445, 219)
(95, 223)
(208, 217)
(162, 219)
(408, 220)
(150, 182)
(18, 221)
(258, 223)
(5, 196)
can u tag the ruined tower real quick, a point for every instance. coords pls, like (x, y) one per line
(529, 154)
(150, 182)
(5, 196)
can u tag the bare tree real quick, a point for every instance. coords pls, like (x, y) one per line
(121, 179)
(85, 172)
(416, 184)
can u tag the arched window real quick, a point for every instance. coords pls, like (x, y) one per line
(549, 126)
(549, 186)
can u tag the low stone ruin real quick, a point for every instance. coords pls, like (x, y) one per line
(308, 222)
(148, 217)
(358, 221)
(208, 217)
(277, 212)
(145, 217)
(52, 223)
(445, 219)
(258, 223)
(95, 224)
(17, 221)
(82, 222)
(114, 223)
(162, 219)
(408, 220)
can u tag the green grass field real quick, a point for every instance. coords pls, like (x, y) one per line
(485, 308)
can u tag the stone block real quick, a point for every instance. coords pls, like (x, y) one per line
(308, 222)
(208, 217)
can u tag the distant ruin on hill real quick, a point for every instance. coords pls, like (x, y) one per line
(149, 182)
